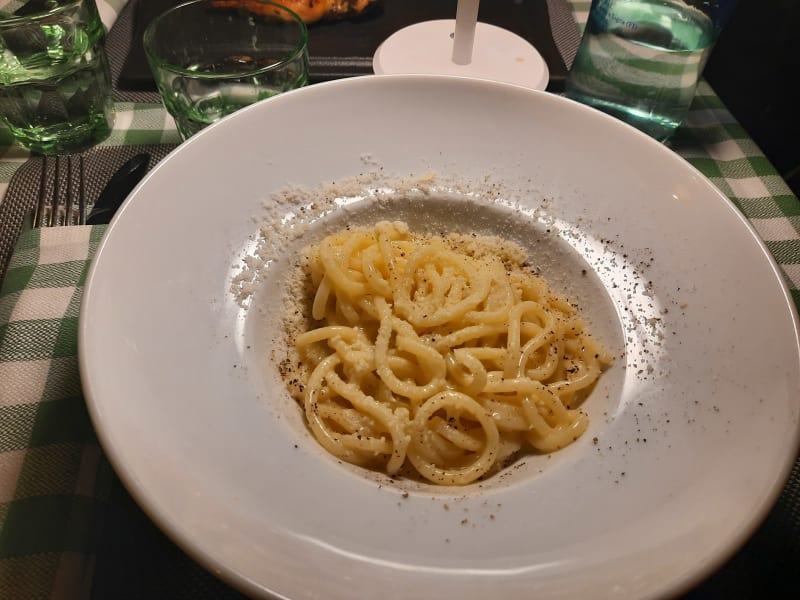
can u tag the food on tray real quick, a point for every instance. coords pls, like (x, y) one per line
(309, 11)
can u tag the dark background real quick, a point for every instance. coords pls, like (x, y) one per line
(755, 69)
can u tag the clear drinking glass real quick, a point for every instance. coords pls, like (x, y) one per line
(213, 57)
(55, 87)
(641, 60)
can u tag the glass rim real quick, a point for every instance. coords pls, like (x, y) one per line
(300, 48)
(49, 12)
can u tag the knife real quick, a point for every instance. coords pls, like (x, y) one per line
(117, 189)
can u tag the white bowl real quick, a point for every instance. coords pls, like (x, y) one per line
(693, 430)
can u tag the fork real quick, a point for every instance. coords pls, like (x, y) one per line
(62, 204)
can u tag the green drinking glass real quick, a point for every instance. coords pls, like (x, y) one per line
(210, 58)
(55, 86)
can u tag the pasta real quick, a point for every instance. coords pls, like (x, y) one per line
(440, 356)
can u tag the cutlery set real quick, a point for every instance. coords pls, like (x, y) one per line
(65, 202)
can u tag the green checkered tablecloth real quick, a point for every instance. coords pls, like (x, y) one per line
(53, 475)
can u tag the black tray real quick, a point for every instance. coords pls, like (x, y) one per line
(345, 48)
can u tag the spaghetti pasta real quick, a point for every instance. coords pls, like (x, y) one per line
(443, 356)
